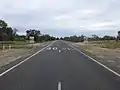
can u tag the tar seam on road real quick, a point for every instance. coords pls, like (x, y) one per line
(117, 74)
(59, 85)
(25, 60)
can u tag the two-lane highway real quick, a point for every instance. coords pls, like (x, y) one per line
(59, 67)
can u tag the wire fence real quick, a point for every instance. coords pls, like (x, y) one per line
(14, 45)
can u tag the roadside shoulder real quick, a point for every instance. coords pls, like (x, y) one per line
(113, 68)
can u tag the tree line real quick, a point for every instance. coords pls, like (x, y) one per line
(94, 37)
(38, 37)
(74, 38)
(10, 34)
(6, 33)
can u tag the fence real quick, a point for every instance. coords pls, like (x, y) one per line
(14, 45)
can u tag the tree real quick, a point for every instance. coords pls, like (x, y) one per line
(34, 33)
(28, 34)
(57, 38)
(82, 38)
(46, 37)
(10, 34)
(37, 35)
(118, 37)
(61, 38)
(109, 38)
(6, 33)
(3, 24)
(52, 38)
(73, 38)
(20, 38)
(95, 37)
(66, 38)
(15, 30)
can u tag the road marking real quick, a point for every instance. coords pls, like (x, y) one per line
(63, 48)
(25, 60)
(68, 48)
(54, 48)
(111, 61)
(59, 51)
(59, 85)
(117, 74)
(49, 48)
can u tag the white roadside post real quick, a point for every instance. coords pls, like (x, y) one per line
(10, 46)
(32, 41)
(3, 47)
(85, 40)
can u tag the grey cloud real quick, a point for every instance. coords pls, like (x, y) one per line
(62, 14)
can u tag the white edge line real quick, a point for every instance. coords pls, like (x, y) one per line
(59, 85)
(96, 61)
(25, 60)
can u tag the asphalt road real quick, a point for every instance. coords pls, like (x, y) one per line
(59, 67)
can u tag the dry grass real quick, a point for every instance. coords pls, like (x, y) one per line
(15, 45)
(106, 52)
(110, 53)
(111, 44)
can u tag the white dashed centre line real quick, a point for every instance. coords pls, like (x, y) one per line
(59, 85)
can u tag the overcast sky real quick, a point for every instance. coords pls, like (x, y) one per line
(63, 17)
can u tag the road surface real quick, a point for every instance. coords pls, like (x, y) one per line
(59, 67)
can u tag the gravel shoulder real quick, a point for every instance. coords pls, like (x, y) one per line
(11, 55)
(109, 57)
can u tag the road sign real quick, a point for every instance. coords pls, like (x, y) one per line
(32, 40)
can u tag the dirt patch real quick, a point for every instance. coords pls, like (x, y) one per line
(9, 55)
(107, 56)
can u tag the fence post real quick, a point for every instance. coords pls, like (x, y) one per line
(10, 46)
(3, 47)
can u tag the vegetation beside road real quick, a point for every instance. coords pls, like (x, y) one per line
(10, 39)
(110, 44)
(15, 45)
(106, 52)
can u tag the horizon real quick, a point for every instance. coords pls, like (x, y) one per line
(88, 34)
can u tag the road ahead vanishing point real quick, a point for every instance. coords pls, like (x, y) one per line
(59, 67)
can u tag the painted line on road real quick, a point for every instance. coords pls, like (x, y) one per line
(59, 51)
(25, 60)
(59, 86)
(68, 48)
(49, 48)
(96, 61)
(54, 48)
(63, 48)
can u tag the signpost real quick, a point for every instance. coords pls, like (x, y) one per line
(85, 40)
(32, 41)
